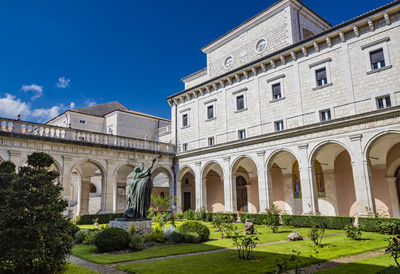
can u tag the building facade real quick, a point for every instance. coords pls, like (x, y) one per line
(295, 113)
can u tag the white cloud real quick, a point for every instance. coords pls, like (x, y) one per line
(11, 107)
(36, 89)
(71, 105)
(63, 82)
(46, 113)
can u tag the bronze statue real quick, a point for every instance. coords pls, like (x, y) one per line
(139, 192)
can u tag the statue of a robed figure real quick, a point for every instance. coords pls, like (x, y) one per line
(139, 192)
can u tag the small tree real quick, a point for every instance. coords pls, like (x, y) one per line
(273, 219)
(243, 243)
(316, 234)
(393, 249)
(35, 237)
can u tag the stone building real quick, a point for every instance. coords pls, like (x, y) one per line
(293, 112)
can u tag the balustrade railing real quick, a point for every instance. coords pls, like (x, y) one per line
(43, 130)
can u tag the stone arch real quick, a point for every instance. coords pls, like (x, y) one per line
(245, 200)
(382, 153)
(280, 164)
(186, 191)
(84, 172)
(212, 176)
(162, 181)
(332, 177)
(122, 175)
(55, 166)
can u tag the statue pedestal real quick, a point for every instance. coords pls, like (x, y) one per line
(141, 226)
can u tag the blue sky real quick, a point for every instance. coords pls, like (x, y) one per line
(60, 54)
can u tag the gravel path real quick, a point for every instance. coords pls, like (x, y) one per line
(336, 262)
(99, 268)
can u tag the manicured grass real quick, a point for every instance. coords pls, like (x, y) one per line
(371, 265)
(265, 257)
(88, 252)
(73, 269)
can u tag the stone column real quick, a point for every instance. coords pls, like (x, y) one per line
(65, 175)
(263, 191)
(307, 189)
(330, 189)
(228, 197)
(107, 187)
(15, 157)
(198, 186)
(394, 197)
(362, 184)
(204, 192)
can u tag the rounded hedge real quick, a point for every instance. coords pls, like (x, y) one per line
(191, 237)
(111, 239)
(195, 226)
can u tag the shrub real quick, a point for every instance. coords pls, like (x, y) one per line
(393, 249)
(79, 237)
(179, 216)
(257, 219)
(154, 237)
(200, 215)
(35, 237)
(164, 218)
(191, 237)
(111, 239)
(168, 231)
(195, 226)
(90, 236)
(136, 242)
(188, 214)
(101, 218)
(132, 230)
(316, 234)
(74, 229)
(272, 219)
(353, 232)
(243, 243)
(176, 237)
(388, 228)
(231, 216)
(378, 225)
(330, 222)
(390, 270)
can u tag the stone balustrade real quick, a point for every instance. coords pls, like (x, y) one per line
(60, 133)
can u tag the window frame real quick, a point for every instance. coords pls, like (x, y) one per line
(188, 119)
(278, 122)
(210, 144)
(185, 147)
(325, 63)
(208, 104)
(244, 134)
(325, 111)
(384, 101)
(373, 46)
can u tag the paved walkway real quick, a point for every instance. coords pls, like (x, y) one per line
(99, 268)
(339, 261)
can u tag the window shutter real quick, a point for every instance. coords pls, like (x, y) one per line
(321, 74)
(276, 90)
(377, 56)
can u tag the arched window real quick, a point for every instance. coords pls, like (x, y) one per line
(92, 188)
(241, 194)
(296, 180)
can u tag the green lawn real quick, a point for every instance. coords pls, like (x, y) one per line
(87, 252)
(265, 256)
(73, 269)
(371, 265)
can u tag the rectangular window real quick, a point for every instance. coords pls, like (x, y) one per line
(383, 102)
(82, 121)
(377, 59)
(325, 115)
(276, 91)
(184, 147)
(185, 120)
(242, 134)
(240, 102)
(279, 125)
(211, 141)
(210, 112)
(320, 75)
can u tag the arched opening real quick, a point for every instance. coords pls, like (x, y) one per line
(284, 177)
(123, 176)
(333, 180)
(161, 182)
(186, 193)
(213, 184)
(87, 179)
(383, 155)
(245, 186)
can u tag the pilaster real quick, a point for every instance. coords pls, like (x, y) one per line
(263, 192)
(228, 195)
(309, 199)
(394, 197)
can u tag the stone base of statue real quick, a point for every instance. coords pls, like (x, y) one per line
(141, 226)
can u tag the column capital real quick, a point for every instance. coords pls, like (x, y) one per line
(303, 146)
(356, 137)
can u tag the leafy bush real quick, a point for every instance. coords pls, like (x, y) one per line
(200, 215)
(136, 242)
(316, 234)
(164, 218)
(168, 231)
(132, 230)
(353, 232)
(191, 237)
(74, 229)
(393, 249)
(79, 237)
(272, 219)
(154, 237)
(210, 216)
(195, 226)
(179, 216)
(188, 214)
(243, 243)
(35, 237)
(101, 218)
(111, 239)
(390, 270)
(176, 237)
(257, 219)
(90, 235)
(379, 225)
(330, 222)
